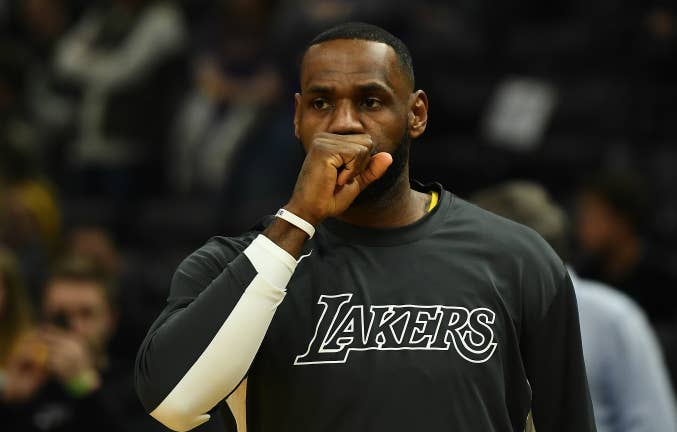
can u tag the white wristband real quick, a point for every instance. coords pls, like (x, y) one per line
(296, 221)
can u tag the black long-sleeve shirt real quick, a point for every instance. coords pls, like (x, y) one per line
(461, 321)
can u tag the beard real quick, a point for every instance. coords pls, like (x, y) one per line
(380, 192)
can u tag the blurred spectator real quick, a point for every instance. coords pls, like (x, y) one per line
(95, 243)
(16, 132)
(628, 381)
(136, 302)
(49, 101)
(125, 55)
(68, 379)
(15, 309)
(236, 79)
(30, 218)
(32, 205)
(70, 370)
(613, 215)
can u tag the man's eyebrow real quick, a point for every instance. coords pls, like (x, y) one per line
(367, 87)
(374, 86)
(320, 89)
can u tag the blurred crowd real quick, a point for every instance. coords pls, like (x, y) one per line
(133, 130)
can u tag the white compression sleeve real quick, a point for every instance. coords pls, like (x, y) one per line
(225, 361)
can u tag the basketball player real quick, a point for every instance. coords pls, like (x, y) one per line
(369, 302)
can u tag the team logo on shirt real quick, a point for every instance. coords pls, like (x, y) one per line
(343, 328)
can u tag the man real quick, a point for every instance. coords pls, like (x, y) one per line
(618, 249)
(62, 362)
(61, 378)
(408, 309)
(612, 211)
(629, 383)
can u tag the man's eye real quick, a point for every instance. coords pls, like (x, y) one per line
(372, 103)
(320, 104)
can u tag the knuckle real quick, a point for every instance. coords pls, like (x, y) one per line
(356, 153)
(320, 147)
(318, 140)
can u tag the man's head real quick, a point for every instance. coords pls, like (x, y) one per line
(369, 32)
(357, 78)
(611, 208)
(529, 204)
(96, 243)
(79, 297)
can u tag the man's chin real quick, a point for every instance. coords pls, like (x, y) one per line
(377, 194)
(382, 191)
(366, 198)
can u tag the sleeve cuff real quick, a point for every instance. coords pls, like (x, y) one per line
(271, 262)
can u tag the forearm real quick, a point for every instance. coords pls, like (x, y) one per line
(70, 51)
(286, 236)
(201, 351)
(234, 312)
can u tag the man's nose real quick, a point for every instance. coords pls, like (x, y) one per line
(345, 120)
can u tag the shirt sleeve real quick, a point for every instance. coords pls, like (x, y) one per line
(553, 358)
(636, 380)
(203, 343)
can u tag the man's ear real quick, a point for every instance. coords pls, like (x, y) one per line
(418, 114)
(297, 115)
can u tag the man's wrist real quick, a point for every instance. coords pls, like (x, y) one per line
(300, 212)
(297, 221)
(287, 236)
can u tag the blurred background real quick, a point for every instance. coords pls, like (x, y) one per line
(131, 131)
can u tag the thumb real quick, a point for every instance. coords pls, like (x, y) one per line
(378, 165)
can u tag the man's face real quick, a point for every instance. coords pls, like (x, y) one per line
(359, 87)
(82, 307)
(597, 224)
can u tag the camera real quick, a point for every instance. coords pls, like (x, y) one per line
(60, 320)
